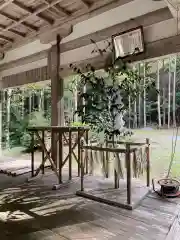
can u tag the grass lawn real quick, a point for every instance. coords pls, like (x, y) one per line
(161, 145)
(161, 148)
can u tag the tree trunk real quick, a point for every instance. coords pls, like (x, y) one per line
(75, 104)
(22, 107)
(135, 114)
(169, 95)
(164, 106)
(139, 102)
(158, 97)
(129, 112)
(1, 113)
(30, 101)
(144, 95)
(41, 100)
(9, 91)
(174, 94)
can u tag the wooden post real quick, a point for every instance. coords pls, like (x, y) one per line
(70, 154)
(128, 164)
(32, 154)
(43, 152)
(107, 160)
(79, 152)
(1, 113)
(148, 162)
(86, 151)
(60, 155)
(82, 166)
(144, 94)
(57, 92)
(169, 95)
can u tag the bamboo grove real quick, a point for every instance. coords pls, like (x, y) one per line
(31, 104)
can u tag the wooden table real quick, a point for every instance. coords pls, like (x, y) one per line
(59, 135)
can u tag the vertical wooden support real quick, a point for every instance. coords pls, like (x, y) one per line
(79, 151)
(1, 113)
(144, 94)
(82, 166)
(158, 96)
(57, 92)
(169, 95)
(43, 140)
(70, 154)
(32, 154)
(107, 160)
(86, 152)
(148, 162)
(128, 164)
(174, 92)
(115, 179)
(60, 155)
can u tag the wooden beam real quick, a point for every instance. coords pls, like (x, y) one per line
(38, 11)
(31, 11)
(6, 3)
(97, 8)
(6, 38)
(145, 21)
(18, 33)
(85, 3)
(61, 10)
(14, 31)
(153, 50)
(14, 19)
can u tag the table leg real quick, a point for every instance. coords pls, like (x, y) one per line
(60, 156)
(43, 152)
(70, 155)
(79, 152)
(32, 154)
(128, 164)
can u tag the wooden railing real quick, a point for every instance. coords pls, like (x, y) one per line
(127, 149)
(58, 136)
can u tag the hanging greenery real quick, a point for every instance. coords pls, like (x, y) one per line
(104, 96)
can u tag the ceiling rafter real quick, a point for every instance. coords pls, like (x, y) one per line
(22, 20)
(13, 31)
(31, 11)
(85, 3)
(62, 11)
(14, 19)
(8, 39)
(6, 3)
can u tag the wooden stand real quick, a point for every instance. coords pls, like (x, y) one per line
(99, 195)
(59, 135)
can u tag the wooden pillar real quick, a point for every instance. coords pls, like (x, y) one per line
(1, 113)
(57, 92)
(128, 164)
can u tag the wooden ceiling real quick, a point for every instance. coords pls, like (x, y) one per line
(21, 20)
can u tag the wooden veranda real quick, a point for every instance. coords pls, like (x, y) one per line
(39, 39)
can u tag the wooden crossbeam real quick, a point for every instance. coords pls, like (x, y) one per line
(25, 18)
(14, 31)
(85, 3)
(6, 38)
(47, 154)
(72, 151)
(6, 3)
(15, 20)
(31, 11)
(61, 10)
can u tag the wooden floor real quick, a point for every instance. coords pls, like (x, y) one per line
(33, 211)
